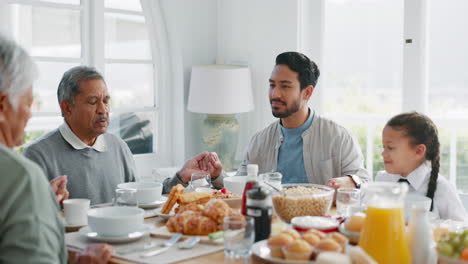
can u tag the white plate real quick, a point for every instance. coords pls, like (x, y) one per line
(88, 233)
(154, 204)
(157, 212)
(261, 250)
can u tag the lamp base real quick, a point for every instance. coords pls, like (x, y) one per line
(220, 135)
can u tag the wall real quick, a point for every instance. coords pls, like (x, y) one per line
(254, 33)
(192, 31)
(232, 32)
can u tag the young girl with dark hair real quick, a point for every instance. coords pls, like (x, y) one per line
(411, 154)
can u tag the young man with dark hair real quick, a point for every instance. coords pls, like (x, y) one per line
(303, 146)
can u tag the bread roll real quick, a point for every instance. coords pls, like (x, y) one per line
(275, 244)
(293, 233)
(328, 244)
(311, 238)
(297, 250)
(340, 239)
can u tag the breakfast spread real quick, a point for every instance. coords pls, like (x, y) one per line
(197, 213)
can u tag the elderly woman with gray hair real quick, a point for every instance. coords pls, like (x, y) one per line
(31, 230)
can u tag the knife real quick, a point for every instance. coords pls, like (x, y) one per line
(165, 246)
(138, 248)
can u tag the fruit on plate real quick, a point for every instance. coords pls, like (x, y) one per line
(454, 245)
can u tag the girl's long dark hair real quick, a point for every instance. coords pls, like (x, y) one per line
(421, 130)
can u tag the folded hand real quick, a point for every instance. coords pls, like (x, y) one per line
(203, 162)
(59, 187)
(95, 254)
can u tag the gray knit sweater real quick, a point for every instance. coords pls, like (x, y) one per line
(91, 174)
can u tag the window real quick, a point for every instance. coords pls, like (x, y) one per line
(116, 42)
(362, 69)
(363, 74)
(448, 84)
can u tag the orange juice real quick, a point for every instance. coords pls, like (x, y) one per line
(383, 236)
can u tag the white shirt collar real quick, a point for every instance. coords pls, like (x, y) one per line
(417, 177)
(76, 143)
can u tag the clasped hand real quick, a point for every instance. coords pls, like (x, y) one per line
(206, 162)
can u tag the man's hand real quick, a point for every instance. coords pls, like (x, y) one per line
(212, 164)
(340, 182)
(95, 254)
(59, 187)
(203, 162)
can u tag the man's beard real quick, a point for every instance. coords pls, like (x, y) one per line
(289, 110)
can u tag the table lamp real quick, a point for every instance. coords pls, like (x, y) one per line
(221, 91)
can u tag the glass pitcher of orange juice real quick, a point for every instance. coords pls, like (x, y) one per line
(383, 236)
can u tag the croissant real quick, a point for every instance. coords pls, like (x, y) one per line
(192, 223)
(217, 209)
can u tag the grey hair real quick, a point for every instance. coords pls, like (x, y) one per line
(69, 86)
(17, 70)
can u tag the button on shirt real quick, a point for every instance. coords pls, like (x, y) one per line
(290, 156)
(447, 203)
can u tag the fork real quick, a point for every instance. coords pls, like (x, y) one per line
(189, 243)
(164, 246)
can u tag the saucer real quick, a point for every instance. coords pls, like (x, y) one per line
(157, 212)
(154, 204)
(71, 228)
(91, 235)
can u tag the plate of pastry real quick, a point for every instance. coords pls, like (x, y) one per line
(290, 246)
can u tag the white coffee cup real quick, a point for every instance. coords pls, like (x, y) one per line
(75, 211)
(147, 192)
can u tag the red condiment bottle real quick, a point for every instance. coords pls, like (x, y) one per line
(252, 171)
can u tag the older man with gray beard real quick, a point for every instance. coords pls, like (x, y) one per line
(94, 161)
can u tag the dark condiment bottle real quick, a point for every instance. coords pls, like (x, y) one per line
(259, 207)
(251, 182)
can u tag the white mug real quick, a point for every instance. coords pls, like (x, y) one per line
(75, 211)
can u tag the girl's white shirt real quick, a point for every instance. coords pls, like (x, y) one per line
(447, 203)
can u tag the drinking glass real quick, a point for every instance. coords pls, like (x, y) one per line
(199, 180)
(126, 197)
(345, 199)
(272, 178)
(238, 237)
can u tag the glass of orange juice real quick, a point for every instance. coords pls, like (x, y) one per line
(383, 235)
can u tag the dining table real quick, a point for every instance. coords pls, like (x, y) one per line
(216, 257)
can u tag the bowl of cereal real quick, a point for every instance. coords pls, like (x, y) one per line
(302, 200)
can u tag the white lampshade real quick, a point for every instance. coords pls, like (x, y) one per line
(220, 89)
